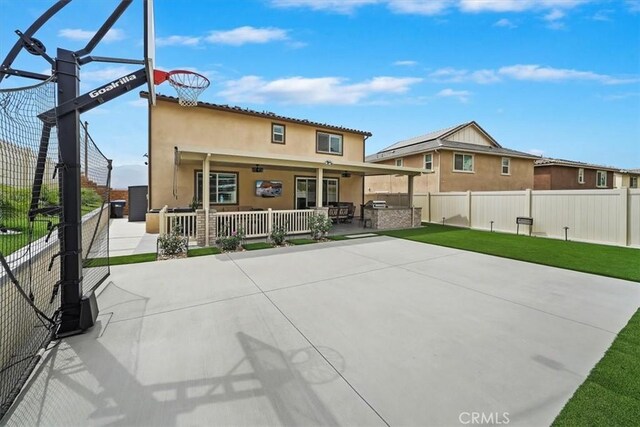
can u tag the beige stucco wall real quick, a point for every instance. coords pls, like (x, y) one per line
(486, 176)
(200, 127)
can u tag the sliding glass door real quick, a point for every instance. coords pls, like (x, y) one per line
(306, 192)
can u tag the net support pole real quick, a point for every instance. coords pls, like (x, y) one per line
(71, 232)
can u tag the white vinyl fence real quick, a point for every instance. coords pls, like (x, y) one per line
(184, 221)
(599, 216)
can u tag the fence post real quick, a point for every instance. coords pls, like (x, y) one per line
(163, 220)
(624, 209)
(469, 208)
(269, 221)
(527, 202)
(428, 206)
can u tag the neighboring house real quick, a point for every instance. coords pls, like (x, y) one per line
(254, 160)
(459, 158)
(559, 174)
(626, 178)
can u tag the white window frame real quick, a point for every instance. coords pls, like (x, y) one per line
(508, 166)
(275, 135)
(462, 170)
(633, 182)
(580, 175)
(400, 162)
(332, 137)
(429, 162)
(598, 175)
(214, 190)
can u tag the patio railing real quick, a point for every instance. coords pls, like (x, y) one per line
(261, 223)
(185, 220)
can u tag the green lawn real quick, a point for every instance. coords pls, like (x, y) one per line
(212, 250)
(612, 261)
(610, 396)
(257, 246)
(301, 241)
(119, 260)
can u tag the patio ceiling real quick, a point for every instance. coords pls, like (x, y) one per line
(332, 163)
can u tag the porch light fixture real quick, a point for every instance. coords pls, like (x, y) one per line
(328, 162)
(257, 169)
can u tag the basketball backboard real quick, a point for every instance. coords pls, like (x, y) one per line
(150, 49)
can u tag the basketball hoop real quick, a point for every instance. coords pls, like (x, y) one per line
(188, 84)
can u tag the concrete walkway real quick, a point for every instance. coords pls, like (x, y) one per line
(128, 238)
(375, 331)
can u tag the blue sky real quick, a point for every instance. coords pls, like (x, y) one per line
(554, 77)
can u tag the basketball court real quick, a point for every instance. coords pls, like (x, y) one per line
(368, 332)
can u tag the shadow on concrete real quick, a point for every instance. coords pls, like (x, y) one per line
(82, 382)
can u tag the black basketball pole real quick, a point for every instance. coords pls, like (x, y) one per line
(71, 229)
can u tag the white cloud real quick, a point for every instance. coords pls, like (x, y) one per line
(419, 7)
(533, 72)
(453, 75)
(434, 7)
(505, 23)
(525, 72)
(178, 41)
(517, 5)
(339, 6)
(633, 5)
(460, 95)
(112, 35)
(405, 63)
(243, 35)
(554, 15)
(622, 96)
(139, 103)
(105, 74)
(321, 90)
(602, 15)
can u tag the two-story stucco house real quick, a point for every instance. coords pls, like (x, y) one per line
(559, 174)
(253, 160)
(460, 158)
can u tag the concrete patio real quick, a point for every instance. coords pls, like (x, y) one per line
(373, 331)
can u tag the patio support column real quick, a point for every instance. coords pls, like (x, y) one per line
(410, 190)
(319, 188)
(205, 197)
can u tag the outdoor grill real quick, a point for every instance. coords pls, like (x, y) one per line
(376, 204)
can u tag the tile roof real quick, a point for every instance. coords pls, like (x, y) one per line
(264, 114)
(550, 161)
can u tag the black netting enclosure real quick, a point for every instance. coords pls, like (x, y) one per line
(31, 223)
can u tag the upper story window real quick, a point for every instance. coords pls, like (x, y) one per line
(463, 162)
(329, 143)
(277, 133)
(399, 162)
(601, 179)
(581, 176)
(428, 162)
(506, 166)
(633, 182)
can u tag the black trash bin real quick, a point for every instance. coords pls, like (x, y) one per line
(117, 208)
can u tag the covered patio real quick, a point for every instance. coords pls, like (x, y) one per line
(234, 196)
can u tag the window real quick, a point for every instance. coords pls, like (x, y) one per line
(506, 166)
(581, 176)
(601, 179)
(463, 162)
(223, 188)
(329, 143)
(633, 182)
(428, 162)
(277, 133)
(399, 162)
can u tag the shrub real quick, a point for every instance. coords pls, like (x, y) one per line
(320, 225)
(231, 241)
(90, 198)
(173, 243)
(278, 234)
